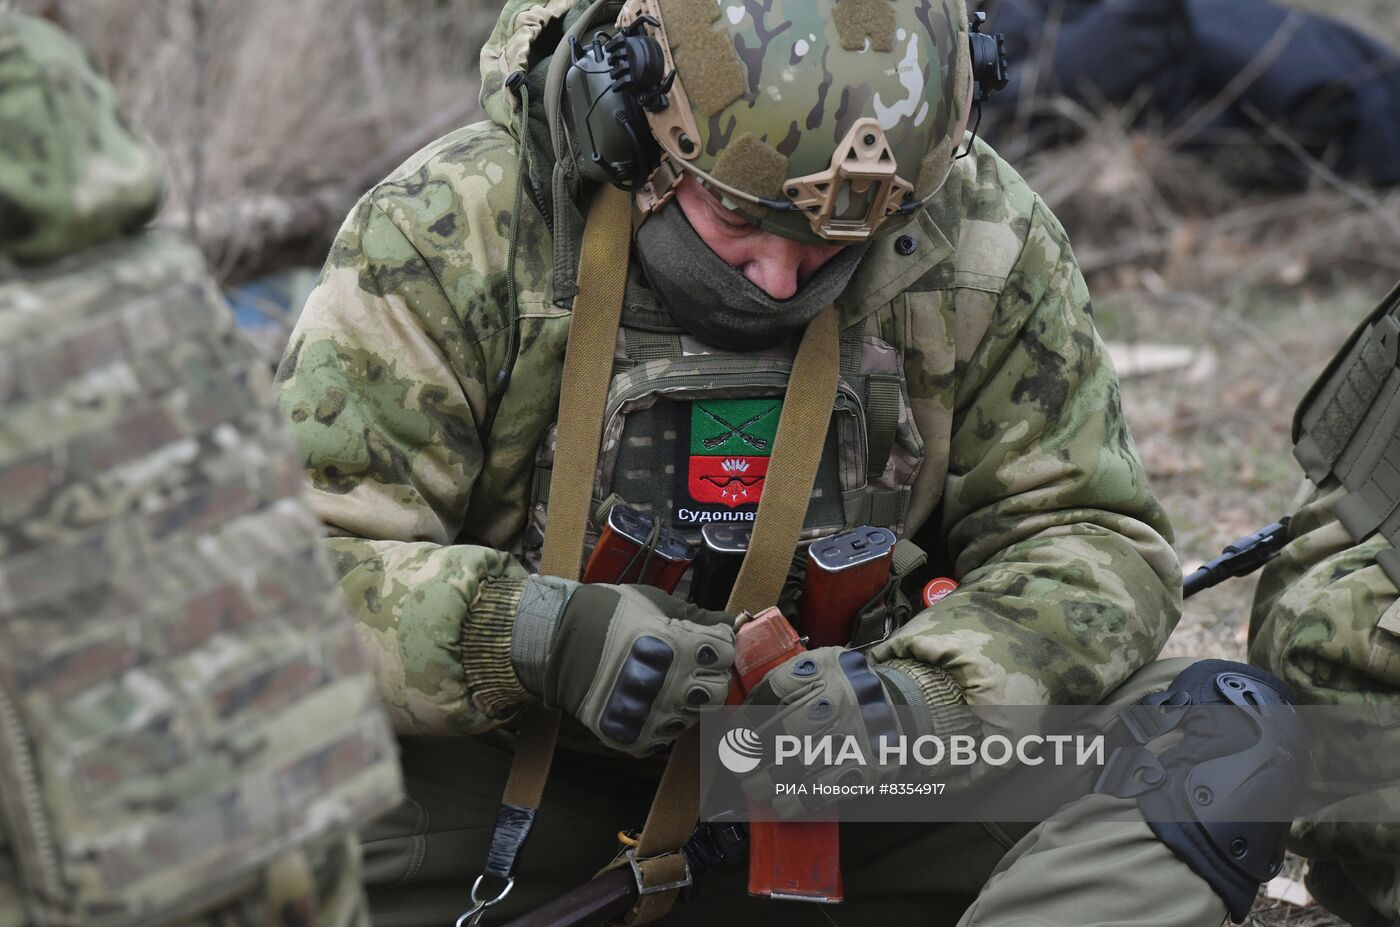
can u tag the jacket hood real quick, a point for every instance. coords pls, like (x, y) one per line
(527, 34)
(514, 45)
(73, 171)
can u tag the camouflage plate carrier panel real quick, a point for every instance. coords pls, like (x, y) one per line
(1326, 615)
(183, 699)
(1348, 427)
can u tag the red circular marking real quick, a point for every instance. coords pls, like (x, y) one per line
(937, 589)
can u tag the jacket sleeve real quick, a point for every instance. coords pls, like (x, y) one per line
(384, 395)
(1068, 579)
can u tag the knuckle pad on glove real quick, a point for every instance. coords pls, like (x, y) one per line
(709, 650)
(636, 689)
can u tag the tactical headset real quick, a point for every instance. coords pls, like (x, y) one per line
(614, 81)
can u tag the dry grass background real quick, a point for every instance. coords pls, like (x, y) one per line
(255, 103)
(269, 95)
(255, 100)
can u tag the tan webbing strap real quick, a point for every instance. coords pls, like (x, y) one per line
(792, 472)
(673, 815)
(291, 890)
(602, 277)
(582, 396)
(534, 748)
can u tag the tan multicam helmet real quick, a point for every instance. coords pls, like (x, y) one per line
(820, 120)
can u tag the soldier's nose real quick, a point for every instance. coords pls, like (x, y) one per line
(775, 279)
(775, 266)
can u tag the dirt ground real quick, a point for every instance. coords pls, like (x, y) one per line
(1245, 295)
(1215, 434)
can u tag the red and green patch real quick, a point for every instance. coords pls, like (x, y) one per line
(730, 443)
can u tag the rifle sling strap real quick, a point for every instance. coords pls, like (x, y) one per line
(792, 471)
(582, 394)
(782, 509)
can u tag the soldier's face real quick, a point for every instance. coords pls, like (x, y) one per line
(774, 264)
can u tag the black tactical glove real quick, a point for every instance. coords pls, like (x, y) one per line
(632, 663)
(837, 692)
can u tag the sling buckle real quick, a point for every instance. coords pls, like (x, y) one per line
(640, 867)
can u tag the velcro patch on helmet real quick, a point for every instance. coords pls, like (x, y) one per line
(749, 165)
(858, 20)
(709, 65)
(934, 168)
(936, 165)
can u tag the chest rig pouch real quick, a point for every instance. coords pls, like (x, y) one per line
(1348, 426)
(688, 432)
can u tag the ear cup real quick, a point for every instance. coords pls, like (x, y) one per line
(611, 83)
(990, 70)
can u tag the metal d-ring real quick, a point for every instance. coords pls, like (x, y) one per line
(479, 905)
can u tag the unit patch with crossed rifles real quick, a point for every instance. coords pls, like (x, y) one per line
(726, 458)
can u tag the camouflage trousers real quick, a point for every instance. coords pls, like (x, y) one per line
(1326, 620)
(1097, 863)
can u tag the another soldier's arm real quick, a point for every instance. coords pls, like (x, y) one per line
(1069, 582)
(380, 383)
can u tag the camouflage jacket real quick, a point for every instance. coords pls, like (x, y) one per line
(424, 469)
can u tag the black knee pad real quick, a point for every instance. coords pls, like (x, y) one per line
(1221, 797)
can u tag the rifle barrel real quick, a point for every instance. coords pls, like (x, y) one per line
(1202, 579)
(1241, 558)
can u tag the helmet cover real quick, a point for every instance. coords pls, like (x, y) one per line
(820, 120)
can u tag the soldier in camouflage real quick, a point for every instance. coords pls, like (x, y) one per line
(1327, 615)
(188, 730)
(807, 159)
